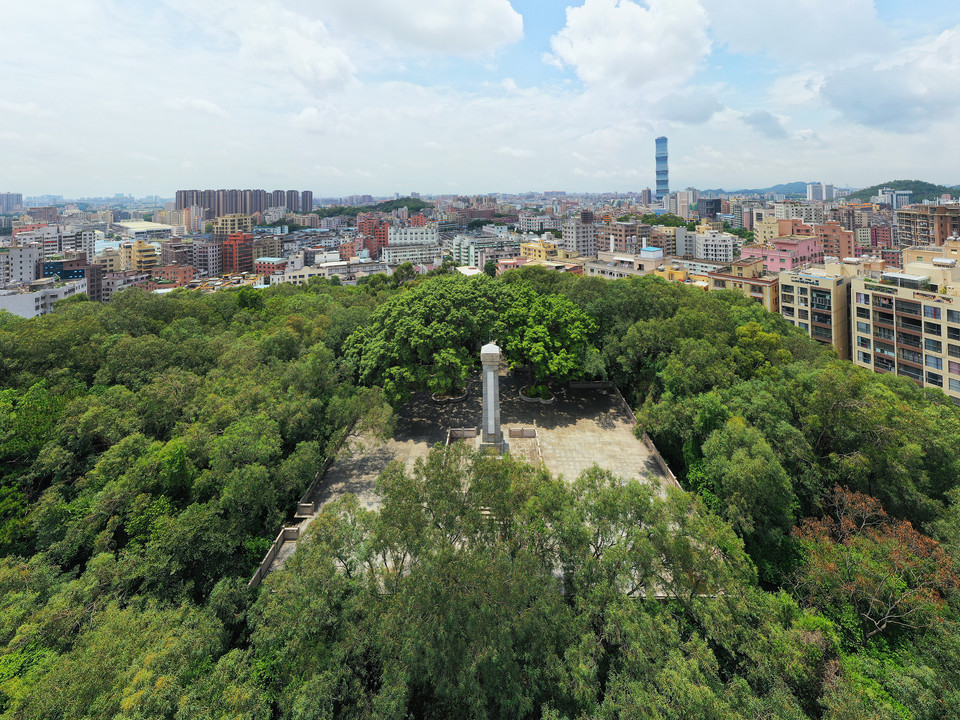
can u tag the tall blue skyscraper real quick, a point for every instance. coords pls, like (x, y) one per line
(663, 178)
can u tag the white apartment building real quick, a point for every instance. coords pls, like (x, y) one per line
(416, 254)
(18, 264)
(59, 239)
(538, 223)
(809, 214)
(715, 246)
(426, 235)
(37, 298)
(578, 237)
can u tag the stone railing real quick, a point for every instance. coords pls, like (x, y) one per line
(461, 433)
(305, 506)
(591, 385)
(648, 442)
(522, 432)
(287, 534)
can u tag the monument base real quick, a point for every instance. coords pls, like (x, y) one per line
(497, 447)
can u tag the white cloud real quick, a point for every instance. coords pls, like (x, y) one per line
(513, 152)
(197, 105)
(444, 26)
(766, 124)
(29, 109)
(623, 43)
(691, 107)
(905, 92)
(806, 32)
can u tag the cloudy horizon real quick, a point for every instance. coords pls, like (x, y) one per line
(376, 97)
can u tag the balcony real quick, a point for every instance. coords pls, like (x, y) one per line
(883, 318)
(881, 364)
(909, 340)
(910, 372)
(909, 324)
(910, 356)
(908, 308)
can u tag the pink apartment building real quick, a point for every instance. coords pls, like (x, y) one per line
(785, 253)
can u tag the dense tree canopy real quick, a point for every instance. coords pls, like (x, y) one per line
(151, 448)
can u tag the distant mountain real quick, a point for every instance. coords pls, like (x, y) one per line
(921, 190)
(794, 188)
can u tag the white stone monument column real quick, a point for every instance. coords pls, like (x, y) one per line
(490, 433)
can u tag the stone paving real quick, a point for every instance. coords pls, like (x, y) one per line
(580, 428)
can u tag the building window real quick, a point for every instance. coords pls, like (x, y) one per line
(931, 328)
(863, 313)
(804, 315)
(863, 357)
(863, 327)
(789, 289)
(863, 298)
(931, 311)
(719, 284)
(803, 326)
(863, 342)
(932, 361)
(787, 311)
(910, 372)
(953, 367)
(883, 349)
(953, 316)
(933, 345)
(934, 379)
(953, 333)
(955, 385)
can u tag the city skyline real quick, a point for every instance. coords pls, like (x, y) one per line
(375, 98)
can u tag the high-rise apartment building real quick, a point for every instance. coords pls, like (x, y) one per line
(207, 257)
(836, 241)
(896, 199)
(819, 192)
(238, 253)
(230, 224)
(11, 202)
(293, 201)
(18, 264)
(909, 323)
(817, 300)
(663, 174)
(928, 224)
(715, 246)
(245, 202)
(579, 237)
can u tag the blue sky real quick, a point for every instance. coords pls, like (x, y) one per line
(474, 96)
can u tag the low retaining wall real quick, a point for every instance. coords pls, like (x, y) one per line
(461, 433)
(523, 432)
(305, 506)
(649, 443)
(287, 534)
(591, 385)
